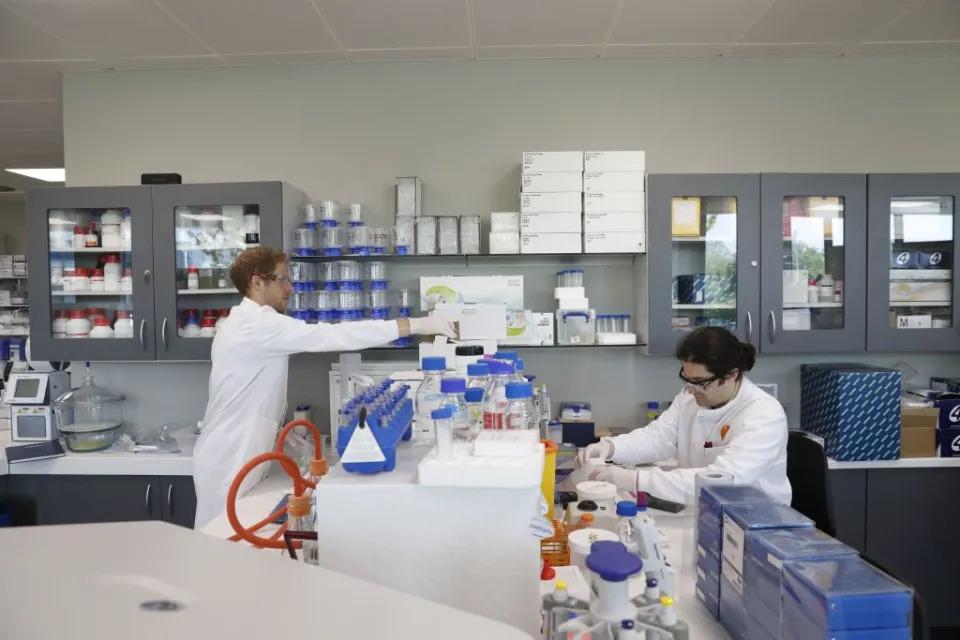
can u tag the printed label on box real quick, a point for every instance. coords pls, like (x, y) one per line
(775, 561)
(733, 577)
(733, 540)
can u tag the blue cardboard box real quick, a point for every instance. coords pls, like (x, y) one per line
(855, 408)
(713, 497)
(733, 614)
(740, 519)
(708, 576)
(795, 626)
(904, 260)
(709, 537)
(949, 413)
(842, 595)
(949, 442)
(761, 617)
(710, 602)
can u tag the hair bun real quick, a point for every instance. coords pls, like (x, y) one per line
(748, 356)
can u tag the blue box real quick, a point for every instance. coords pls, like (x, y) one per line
(904, 260)
(708, 578)
(949, 413)
(768, 550)
(795, 626)
(713, 497)
(762, 617)
(855, 408)
(948, 441)
(933, 259)
(733, 615)
(709, 537)
(711, 603)
(844, 594)
(949, 385)
(740, 519)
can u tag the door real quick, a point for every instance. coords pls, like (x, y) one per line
(91, 281)
(912, 297)
(199, 230)
(812, 254)
(703, 256)
(178, 500)
(81, 499)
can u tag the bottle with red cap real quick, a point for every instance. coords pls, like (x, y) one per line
(97, 281)
(78, 326)
(81, 280)
(193, 278)
(126, 282)
(112, 272)
(101, 328)
(222, 316)
(208, 327)
(79, 236)
(59, 323)
(191, 324)
(123, 325)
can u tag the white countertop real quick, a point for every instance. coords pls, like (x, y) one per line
(226, 591)
(902, 463)
(102, 463)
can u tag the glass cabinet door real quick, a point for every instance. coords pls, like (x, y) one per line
(200, 230)
(708, 277)
(94, 297)
(812, 259)
(913, 224)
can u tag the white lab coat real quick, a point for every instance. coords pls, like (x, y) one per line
(248, 390)
(754, 449)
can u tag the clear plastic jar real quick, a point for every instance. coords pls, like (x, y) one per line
(302, 271)
(331, 241)
(351, 297)
(329, 272)
(379, 240)
(378, 299)
(426, 236)
(349, 271)
(521, 414)
(312, 213)
(305, 241)
(327, 300)
(404, 298)
(376, 271)
(403, 236)
(356, 213)
(358, 242)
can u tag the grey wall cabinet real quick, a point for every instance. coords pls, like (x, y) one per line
(157, 275)
(63, 272)
(912, 293)
(812, 253)
(704, 239)
(178, 500)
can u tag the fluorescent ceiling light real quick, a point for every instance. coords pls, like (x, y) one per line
(47, 175)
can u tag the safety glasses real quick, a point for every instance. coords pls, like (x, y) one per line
(700, 385)
(274, 278)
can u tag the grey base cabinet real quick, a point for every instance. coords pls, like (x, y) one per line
(905, 520)
(61, 499)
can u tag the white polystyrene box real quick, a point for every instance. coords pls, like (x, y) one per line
(482, 471)
(504, 221)
(504, 242)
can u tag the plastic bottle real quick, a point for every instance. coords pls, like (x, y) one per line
(521, 413)
(429, 397)
(495, 404)
(454, 390)
(653, 411)
(474, 400)
(443, 426)
(627, 510)
(478, 376)
(298, 519)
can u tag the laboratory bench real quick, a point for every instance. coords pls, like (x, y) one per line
(98, 487)
(901, 514)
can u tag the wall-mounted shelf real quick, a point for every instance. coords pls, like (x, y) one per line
(511, 347)
(812, 305)
(210, 292)
(925, 303)
(92, 294)
(13, 277)
(697, 307)
(90, 250)
(14, 306)
(505, 258)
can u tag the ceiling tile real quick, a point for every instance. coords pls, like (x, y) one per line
(304, 57)
(559, 51)
(821, 50)
(32, 80)
(440, 53)
(814, 21)
(30, 114)
(933, 20)
(161, 62)
(905, 49)
(389, 24)
(20, 40)
(110, 28)
(664, 50)
(31, 140)
(538, 22)
(254, 26)
(686, 21)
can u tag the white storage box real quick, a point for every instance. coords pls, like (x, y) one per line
(552, 182)
(529, 328)
(624, 242)
(506, 290)
(619, 221)
(569, 292)
(614, 161)
(597, 181)
(614, 202)
(796, 319)
(551, 243)
(551, 203)
(502, 221)
(465, 470)
(551, 223)
(535, 161)
(504, 242)
(477, 321)
(573, 304)
(920, 291)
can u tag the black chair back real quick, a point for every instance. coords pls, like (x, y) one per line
(920, 627)
(810, 479)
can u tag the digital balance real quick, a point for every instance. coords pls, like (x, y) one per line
(30, 395)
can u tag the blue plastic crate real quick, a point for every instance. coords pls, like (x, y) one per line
(855, 408)
(844, 594)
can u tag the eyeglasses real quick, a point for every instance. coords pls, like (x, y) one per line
(274, 277)
(699, 384)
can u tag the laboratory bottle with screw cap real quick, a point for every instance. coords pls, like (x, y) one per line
(429, 397)
(298, 519)
(627, 511)
(521, 413)
(454, 390)
(496, 403)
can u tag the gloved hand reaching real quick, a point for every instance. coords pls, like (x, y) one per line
(602, 450)
(624, 479)
(433, 326)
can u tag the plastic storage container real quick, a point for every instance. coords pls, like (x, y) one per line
(448, 233)
(470, 235)
(89, 417)
(331, 241)
(358, 241)
(570, 278)
(426, 236)
(403, 236)
(576, 327)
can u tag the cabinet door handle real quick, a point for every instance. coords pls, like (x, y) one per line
(146, 275)
(749, 326)
(170, 499)
(146, 499)
(143, 345)
(163, 334)
(773, 327)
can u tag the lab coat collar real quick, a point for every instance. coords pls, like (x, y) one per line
(247, 303)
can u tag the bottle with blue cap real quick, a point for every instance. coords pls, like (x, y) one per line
(454, 396)
(429, 397)
(478, 375)
(626, 531)
(474, 400)
(521, 414)
(496, 403)
(442, 419)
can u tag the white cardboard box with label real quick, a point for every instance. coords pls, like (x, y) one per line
(622, 242)
(552, 182)
(551, 202)
(552, 161)
(551, 243)
(506, 290)
(614, 201)
(618, 221)
(598, 181)
(551, 223)
(477, 321)
(614, 161)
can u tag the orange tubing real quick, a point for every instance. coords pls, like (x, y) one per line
(299, 485)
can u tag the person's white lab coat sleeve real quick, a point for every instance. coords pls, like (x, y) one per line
(657, 441)
(762, 443)
(275, 333)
